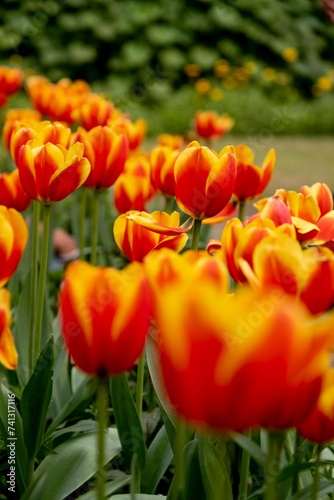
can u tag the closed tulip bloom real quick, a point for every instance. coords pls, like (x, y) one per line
(12, 194)
(133, 189)
(204, 180)
(322, 193)
(8, 353)
(134, 131)
(251, 179)
(137, 241)
(13, 240)
(162, 160)
(94, 111)
(104, 323)
(27, 116)
(209, 125)
(255, 360)
(50, 173)
(172, 141)
(107, 153)
(10, 80)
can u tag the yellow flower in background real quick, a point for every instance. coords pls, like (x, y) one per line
(222, 68)
(251, 66)
(325, 84)
(269, 74)
(241, 74)
(290, 54)
(230, 82)
(216, 94)
(192, 70)
(203, 86)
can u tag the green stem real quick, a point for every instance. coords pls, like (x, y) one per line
(296, 482)
(95, 225)
(101, 405)
(168, 204)
(140, 385)
(179, 459)
(83, 205)
(243, 484)
(242, 206)
(275, 440)
(31, 468)
(316, 477)
(34, 280)
(196, 233)
(42, 282)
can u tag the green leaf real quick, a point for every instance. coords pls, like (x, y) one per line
(127, 420)
(73, 464)
(77, 402)
(36, 399)
(193, 487)
(158, 458)
(20, 449)
(138, 497)
(110, 488)
(325, 486)
(215, 473)
(253, 449)
(83, 426)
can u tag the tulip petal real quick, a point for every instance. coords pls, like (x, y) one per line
(156, 227)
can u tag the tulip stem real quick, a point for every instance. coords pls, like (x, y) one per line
(101, 405)
(34, 280)
(95, 225)
(179, 458)
(275, 441)
(169, 204)
(42, 281)
(140, 385)
(245, 461)
(296, 482)
(83, 206)
(242, 206)
(196, 233)
(316, 477)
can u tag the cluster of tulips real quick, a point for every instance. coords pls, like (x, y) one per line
(242, 331)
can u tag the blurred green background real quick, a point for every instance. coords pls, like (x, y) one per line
(266, 62)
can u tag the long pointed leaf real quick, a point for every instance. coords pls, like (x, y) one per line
(159, 457)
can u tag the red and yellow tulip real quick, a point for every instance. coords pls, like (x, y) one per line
(134, 131)
(8, 353)
(204, 180)
(162, 160)
(104, 323)
(27, 116)
(10, 80)
(251, 179)
(94, 111)
(50, 173)
(209, 125)
(13, 240)
(106, 152)
(12, 194)
(139, 233)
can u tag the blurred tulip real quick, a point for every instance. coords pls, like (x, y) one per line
(13, 240)
(162, 160)
(107, 153)
(133, 188)
(138, 233)
(12, 194)
(94, 111)
(322, 194)
(172, 141)
(236, 363)
(10, 80)
(134, 131)
(209, 125)
(251, 179)
(204, 180)
(50, 173)
(8, 353)
(104, 323)
(27, 116)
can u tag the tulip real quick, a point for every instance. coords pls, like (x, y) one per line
(12, 194)
(209, 125)
(95, 111)
(133, 188)
(251, 179)
(134, 131)
(104, 323)
(236, 363)
(14, 236)
(172, 141)
(8, 353)
(27, 116)
(162, 160)
(322, 194)
(138, 233)
(10, 80)
(204, 180)
(320, 276)
(50, 173)
(106, 151)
